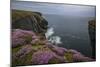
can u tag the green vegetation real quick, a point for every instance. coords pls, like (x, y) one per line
(68, 56)
(14, 50)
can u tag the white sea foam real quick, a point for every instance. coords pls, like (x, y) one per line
(53, 39)
(49, 32)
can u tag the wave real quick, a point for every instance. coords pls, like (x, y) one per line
(53, 39)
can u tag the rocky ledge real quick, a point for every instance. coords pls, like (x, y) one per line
(27, 20)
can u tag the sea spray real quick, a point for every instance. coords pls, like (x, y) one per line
(50, 32)
(53, 39)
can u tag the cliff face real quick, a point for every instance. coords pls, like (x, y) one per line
(92, 34)
(29, 21)
(29, 48)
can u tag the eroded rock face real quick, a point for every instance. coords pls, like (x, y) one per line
(92, 34)
(27, 20)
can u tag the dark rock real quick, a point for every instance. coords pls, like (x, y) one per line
(27, 20)
(92, 34)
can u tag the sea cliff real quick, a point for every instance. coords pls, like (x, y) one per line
(30, 46)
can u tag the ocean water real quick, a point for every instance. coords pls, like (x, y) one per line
(73, 32)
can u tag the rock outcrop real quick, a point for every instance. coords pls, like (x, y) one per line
(92, 34)
(27, 20)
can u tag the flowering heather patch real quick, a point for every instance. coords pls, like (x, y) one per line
(73, 51)
(76, 56)
(59, 50)
(56, 49)
(21, 37)
(23, 51)
(30, 49)
(80, 57)
(43, 57)
(50, 45)
(34, 42)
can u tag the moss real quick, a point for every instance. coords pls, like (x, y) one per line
(14, 50)
(54, 61)
(68, 56)
(23, 61)
(38, 43)
(17, 14)
(16, 62)
(32, 21)
(28, 39)
(37, 47)
(27, 58)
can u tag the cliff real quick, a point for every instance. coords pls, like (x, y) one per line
(92, 34)
(27, 20)
(30, 47)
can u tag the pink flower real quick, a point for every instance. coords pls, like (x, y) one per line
(43, 57)
(22, 37)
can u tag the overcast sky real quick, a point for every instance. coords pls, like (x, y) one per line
(59, 9)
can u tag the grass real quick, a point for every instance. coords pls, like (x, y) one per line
(14, 50)
(68, 56)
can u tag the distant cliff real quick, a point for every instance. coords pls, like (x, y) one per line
(92, 34)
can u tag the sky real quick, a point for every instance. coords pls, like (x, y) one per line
(59, 9)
